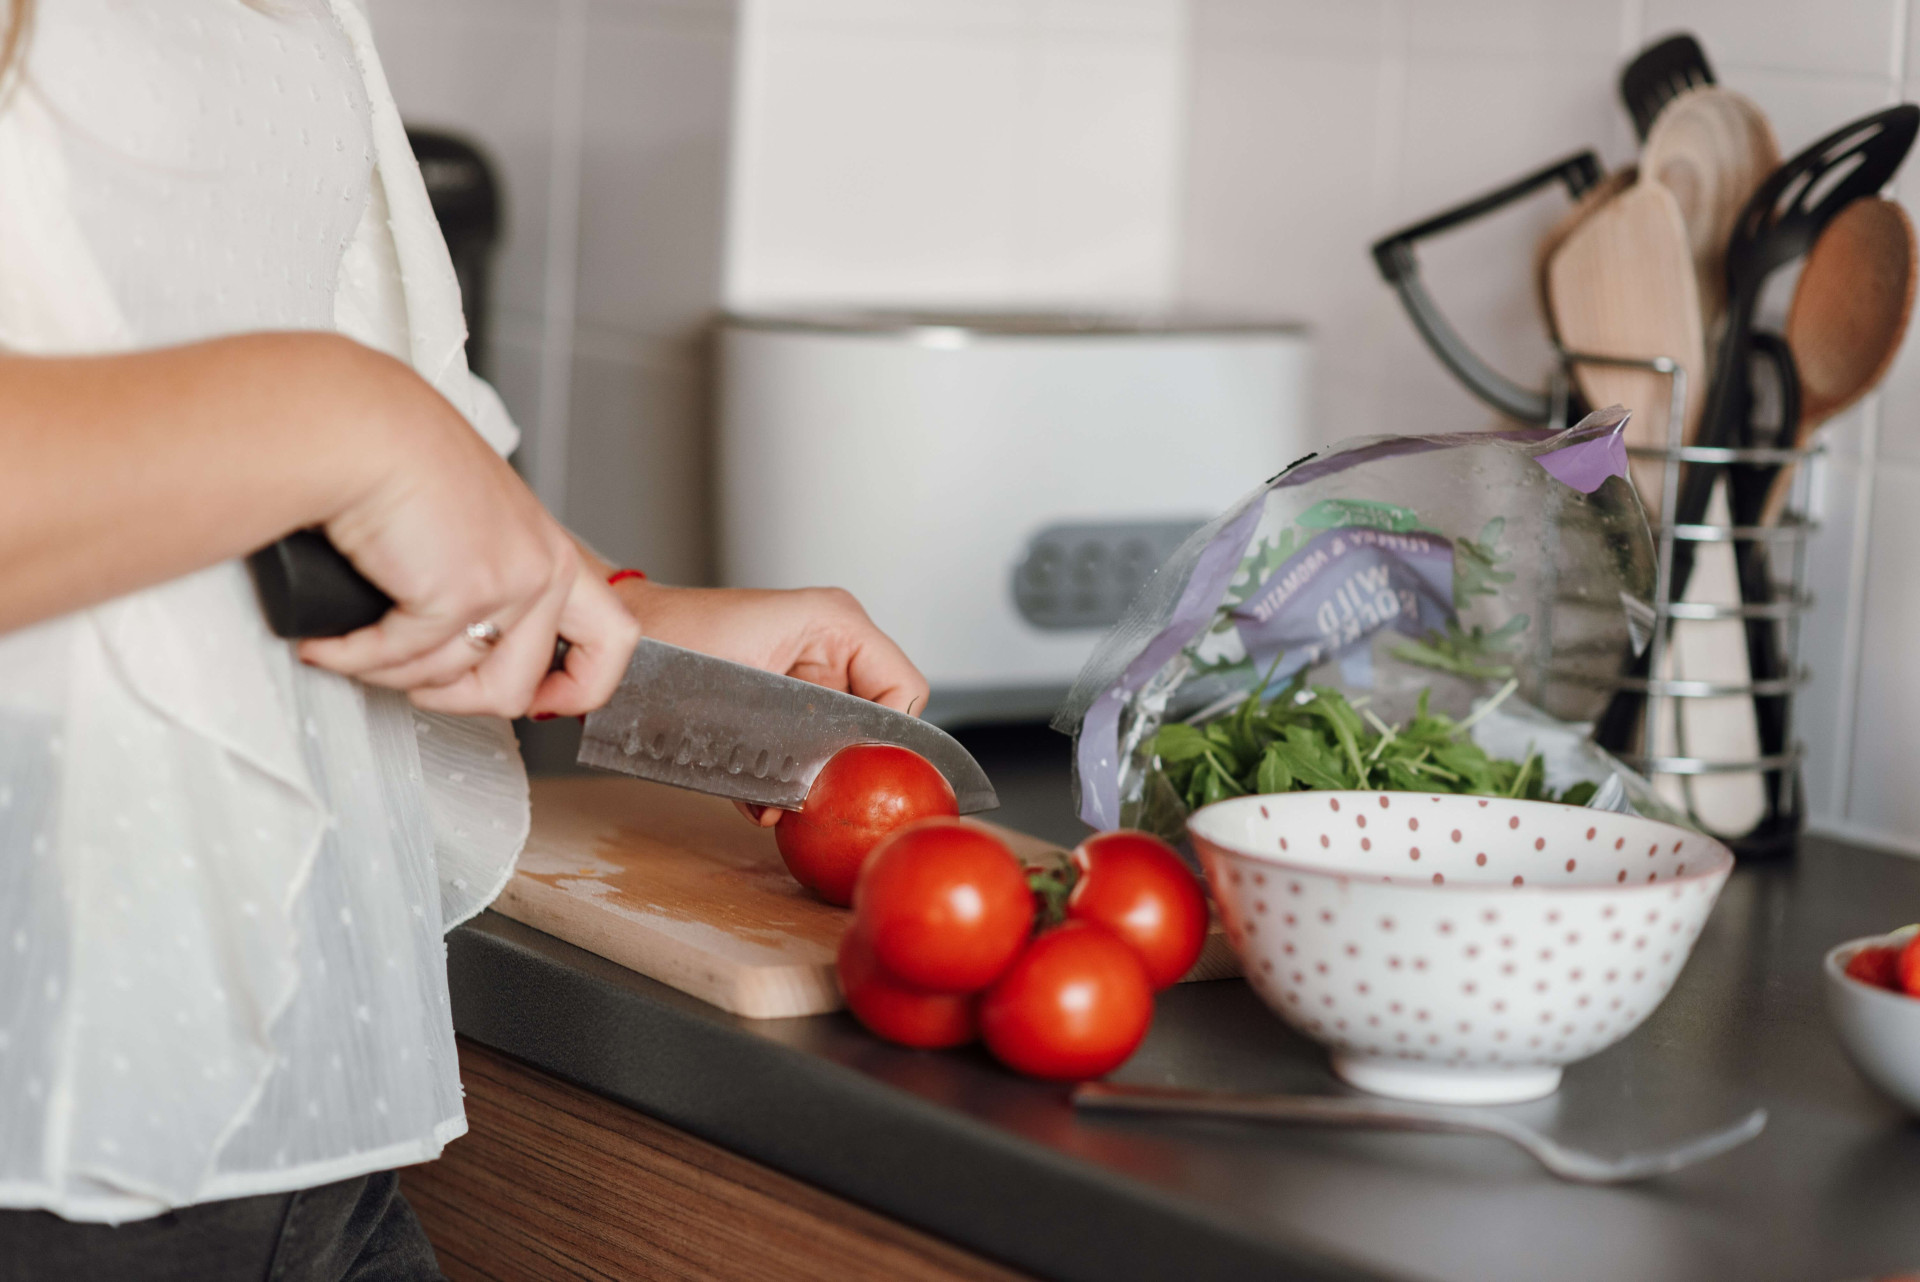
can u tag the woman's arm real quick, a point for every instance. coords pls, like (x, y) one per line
(128, 470)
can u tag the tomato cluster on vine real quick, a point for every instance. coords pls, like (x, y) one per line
(1053, 968)
(953, 939)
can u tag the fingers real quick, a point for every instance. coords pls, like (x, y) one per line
(760, 816)
(453, 659)
(816, 634)
(504, 682)
(408, 648)
(880, 670)
(601, 635)
(399, 639)
(849, 652)
(842, 649)
(444, 671)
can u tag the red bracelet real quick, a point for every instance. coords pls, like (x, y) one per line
(621, 576)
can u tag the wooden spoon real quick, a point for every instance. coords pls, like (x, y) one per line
(1848, 317)
(1621, 283)
(1712, 148)
(1597, 195)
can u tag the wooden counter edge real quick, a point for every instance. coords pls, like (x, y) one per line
(554, 1182)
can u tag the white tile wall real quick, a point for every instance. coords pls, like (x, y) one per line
(1899, 438)
(1882, 797)
(656, 118)
(646, 483)
(485, 69)
(1293, 144)
(1828, 37)
(610, 122)
(961, 151)
(1831, 634)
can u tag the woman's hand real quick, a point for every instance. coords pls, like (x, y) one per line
(448, 530)
(816, 634)
(132, 469)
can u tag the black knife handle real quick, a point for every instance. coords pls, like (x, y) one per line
(308, 589)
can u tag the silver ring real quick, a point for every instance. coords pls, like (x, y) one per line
(484, 634)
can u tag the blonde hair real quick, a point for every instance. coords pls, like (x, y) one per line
(19, 18)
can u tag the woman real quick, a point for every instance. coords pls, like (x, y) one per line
(225, 866)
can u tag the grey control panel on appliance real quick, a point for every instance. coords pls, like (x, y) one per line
(1083, 575)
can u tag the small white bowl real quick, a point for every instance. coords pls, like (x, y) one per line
(1451, 948)
(1880, 1029)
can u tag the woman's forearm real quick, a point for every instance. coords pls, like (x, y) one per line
(127, 470)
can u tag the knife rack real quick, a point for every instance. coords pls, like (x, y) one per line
(1787, 600)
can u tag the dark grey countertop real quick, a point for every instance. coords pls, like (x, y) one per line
(955, 1145)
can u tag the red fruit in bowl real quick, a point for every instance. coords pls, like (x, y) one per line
(1134, 884)
(1877, 966)
(861, 796)
(1907, 967)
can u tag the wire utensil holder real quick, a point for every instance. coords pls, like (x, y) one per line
(1584, 659)
(1788, 599)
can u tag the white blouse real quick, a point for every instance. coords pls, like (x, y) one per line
(224, 876)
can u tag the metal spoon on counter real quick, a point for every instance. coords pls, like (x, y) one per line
(1395, 1115)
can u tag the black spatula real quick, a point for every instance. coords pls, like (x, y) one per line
(1660, 74)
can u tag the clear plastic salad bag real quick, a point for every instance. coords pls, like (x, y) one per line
(1417, 612)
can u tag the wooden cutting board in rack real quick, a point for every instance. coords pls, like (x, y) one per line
(675, 885)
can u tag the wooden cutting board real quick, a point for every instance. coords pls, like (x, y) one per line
(677, 886)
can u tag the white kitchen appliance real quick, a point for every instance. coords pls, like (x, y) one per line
(992, 488)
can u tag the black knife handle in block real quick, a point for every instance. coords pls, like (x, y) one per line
(308, 589)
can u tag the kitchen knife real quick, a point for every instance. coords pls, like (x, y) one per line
(698, 722)
(679, 717)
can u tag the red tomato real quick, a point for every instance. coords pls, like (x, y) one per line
(1907, 968)
(1137, 887)
(861, 796)
(1877, 966)
(944, 904)
(898, 1011)
(1074, 1005)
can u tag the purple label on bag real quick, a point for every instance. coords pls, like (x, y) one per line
(1342, 587)
(1586, 465)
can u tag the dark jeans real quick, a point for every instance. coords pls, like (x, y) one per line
(359, 1230)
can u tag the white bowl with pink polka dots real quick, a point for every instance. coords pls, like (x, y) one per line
(1456, 949)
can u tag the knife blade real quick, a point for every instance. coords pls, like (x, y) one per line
(694, 721)
(679, 717)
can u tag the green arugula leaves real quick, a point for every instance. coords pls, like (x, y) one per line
(1314, 738)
